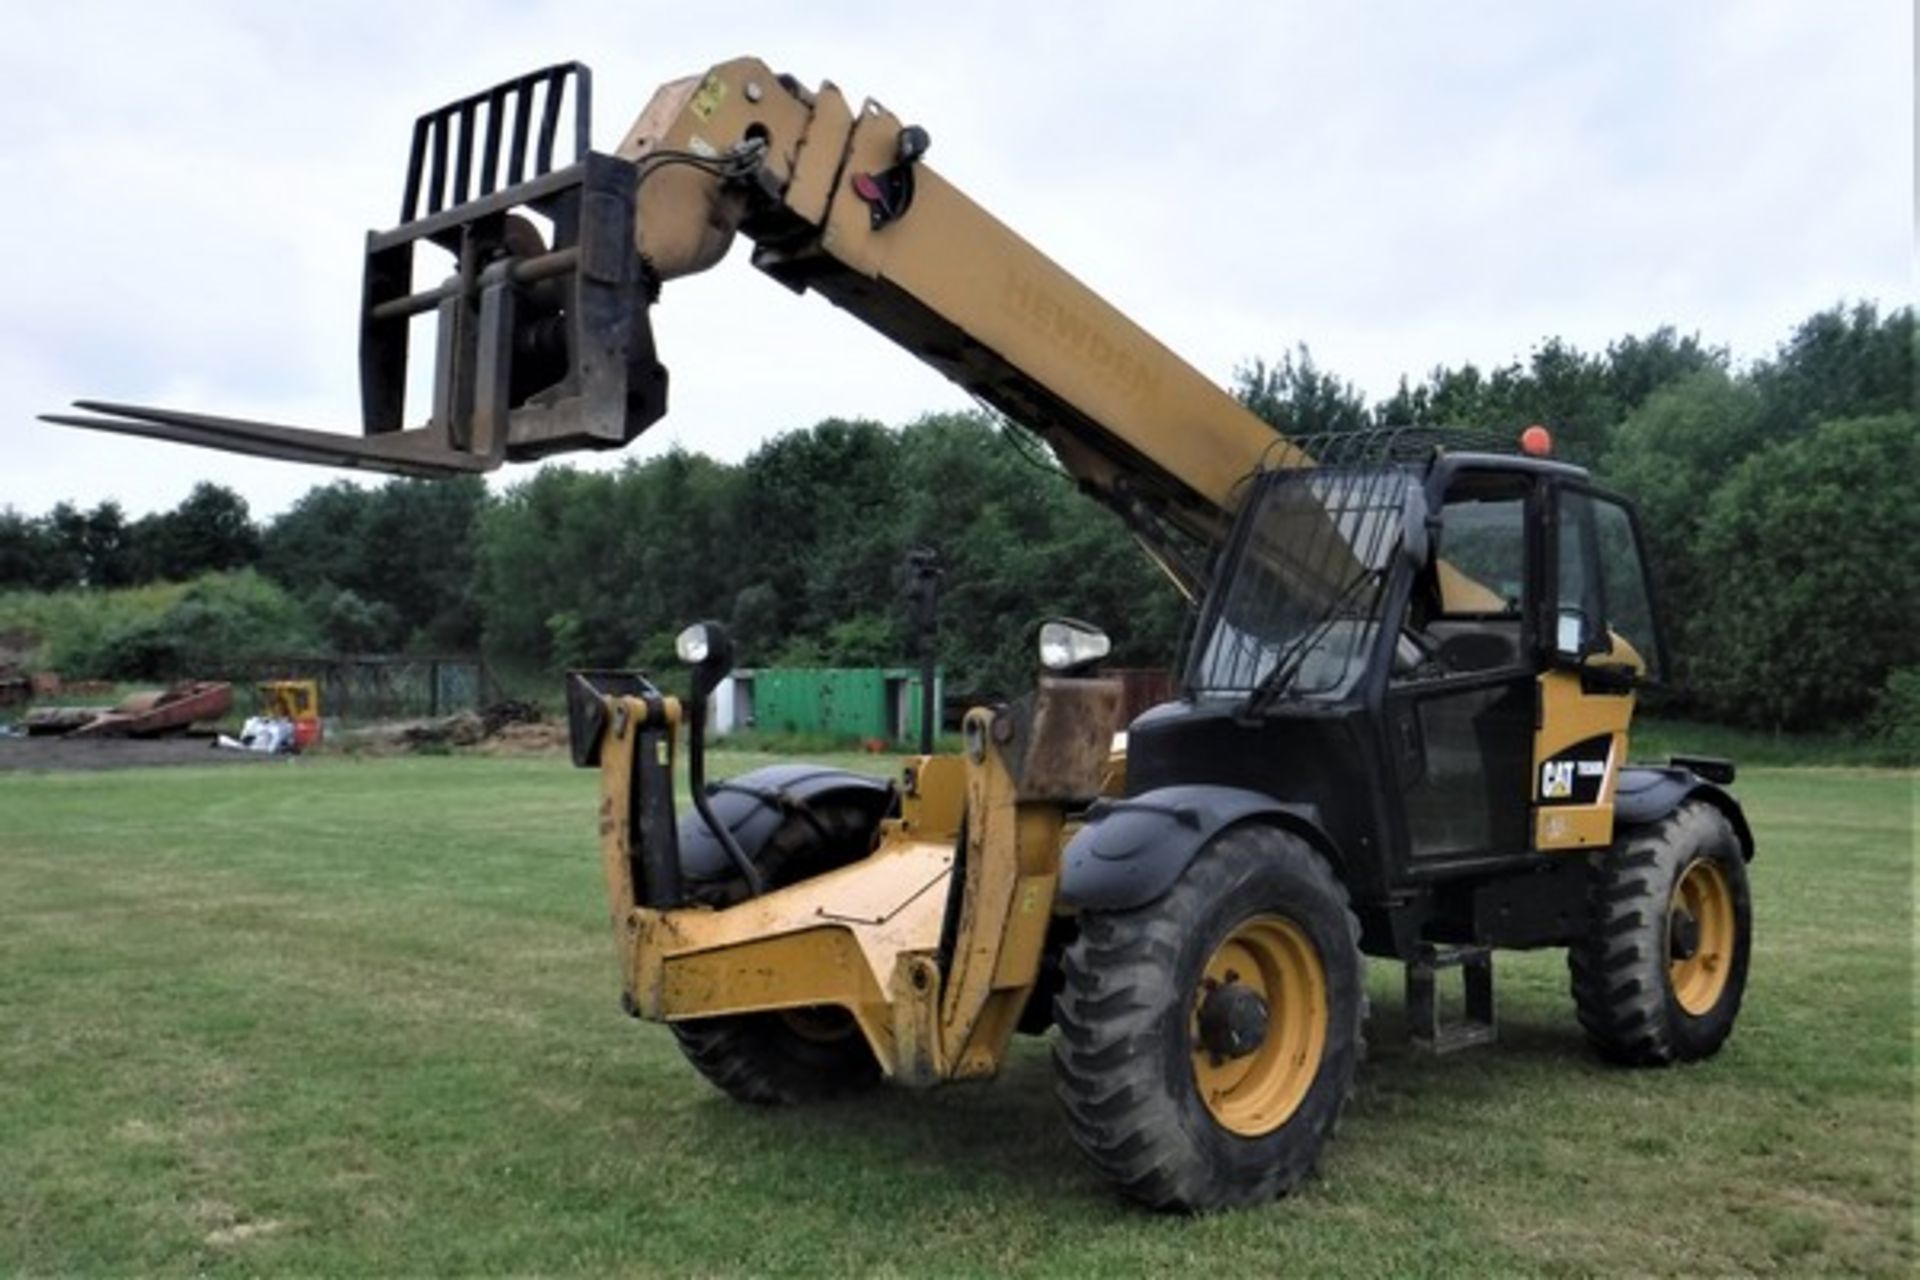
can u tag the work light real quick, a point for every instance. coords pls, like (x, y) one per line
(1067, 644)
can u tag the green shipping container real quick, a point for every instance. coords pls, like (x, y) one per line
(847, 702)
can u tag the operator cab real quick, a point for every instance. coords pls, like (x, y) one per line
(1434, 660)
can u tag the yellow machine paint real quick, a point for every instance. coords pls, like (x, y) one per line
(1570, 713)
(865, 938)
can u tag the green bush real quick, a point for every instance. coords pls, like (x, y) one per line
(1896, 720)
(353, 624)
(210, 626)
(1809, 599)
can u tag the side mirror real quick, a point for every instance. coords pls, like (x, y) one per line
(1068, 645)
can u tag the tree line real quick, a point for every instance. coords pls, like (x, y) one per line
(1780, 499)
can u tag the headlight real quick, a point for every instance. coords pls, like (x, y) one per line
(693, 644)
(1066, 643)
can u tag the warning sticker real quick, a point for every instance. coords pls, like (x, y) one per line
(707, 99)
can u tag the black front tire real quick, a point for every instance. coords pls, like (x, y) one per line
(779, 1060)
(1125, 1056)
(1623, 989)
(806, 1055)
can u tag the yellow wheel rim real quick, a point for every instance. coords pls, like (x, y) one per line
(1257, 1093)
(1699, 979)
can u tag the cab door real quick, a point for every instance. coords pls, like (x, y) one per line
(1603, 643)
(1460, 713)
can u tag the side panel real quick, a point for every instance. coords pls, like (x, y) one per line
(1461, 754)
(1578, 750)
(1322, 762)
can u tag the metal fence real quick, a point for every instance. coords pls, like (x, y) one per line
(381, 687)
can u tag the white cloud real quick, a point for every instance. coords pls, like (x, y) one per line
(1399, 184)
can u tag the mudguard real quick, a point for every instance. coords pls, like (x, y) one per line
(754, 805)
(1648, 793)
(1131, 851)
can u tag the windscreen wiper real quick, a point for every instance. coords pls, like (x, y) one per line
(1295, 655)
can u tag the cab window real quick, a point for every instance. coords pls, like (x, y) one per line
(1467, 615)
(1601, 598)
(1482, 553)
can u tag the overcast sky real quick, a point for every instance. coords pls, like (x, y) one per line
(1397, 184)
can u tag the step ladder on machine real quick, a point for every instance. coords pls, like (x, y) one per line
(1424, 1023)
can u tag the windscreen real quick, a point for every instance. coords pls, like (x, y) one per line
(1299, 604)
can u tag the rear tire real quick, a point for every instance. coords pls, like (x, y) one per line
(1660, 976)
(777, 1059)
(1171, 1123)
(802, 1055)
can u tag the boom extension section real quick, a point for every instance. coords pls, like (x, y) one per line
(542, 337)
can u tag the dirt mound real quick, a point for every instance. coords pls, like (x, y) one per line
(544, 738)
(461, 729)
(510, 727)
(507, 712)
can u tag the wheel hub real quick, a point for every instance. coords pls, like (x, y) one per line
(1258, 1025)
(1702, 937)
(1233, 1021)
(1683, 935)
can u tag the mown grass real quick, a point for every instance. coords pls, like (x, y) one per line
(352, 1016)
(1656, 739)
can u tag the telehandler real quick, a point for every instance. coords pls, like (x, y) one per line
(1403, 723)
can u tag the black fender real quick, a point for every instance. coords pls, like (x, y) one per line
(754, 805)
(1648, 793)
(1131, 851)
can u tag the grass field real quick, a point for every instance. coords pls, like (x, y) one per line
(359, 1016)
